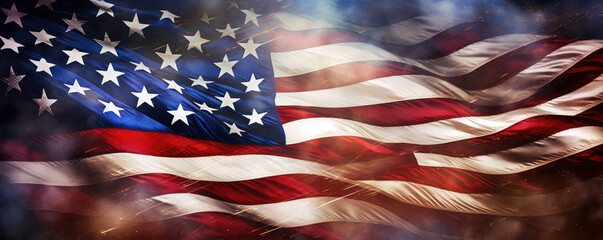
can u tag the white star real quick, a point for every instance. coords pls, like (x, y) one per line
(135, 26)
(173, 85)
(251, 16)
(255, 117)
(141, 66)
(168, 58)
(44, 102)
(144, 97)
(42, 65)
(234, 129)
(228, 31)
(200, 81)
(10, 44)
(46, 3)
(204, 107)
(110, 75)
(74, 24)
(205, 18)
(169, 15)
(195, 41)
(76, 88)
(250, 48)
(253, 84)
(13, 15)
(180, 114)
(107, 45)
(12, 81)
(110, 107)
(226, 66)
(103, 7)
(75, 56)
(42, 37)
(227, 101)
(233, 5)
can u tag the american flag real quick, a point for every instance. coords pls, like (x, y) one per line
(298, 119)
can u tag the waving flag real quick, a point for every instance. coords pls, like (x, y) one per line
(298, 119)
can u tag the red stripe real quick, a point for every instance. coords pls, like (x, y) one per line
(398, 113)
(433, 109)
(195, 226)
(439, 45)
(559, 175)
(205, 226)
(553, 176)
(333, 150)
(343, 75)
(486, 76)
(581, 223)
(346, 149)
(73, 199)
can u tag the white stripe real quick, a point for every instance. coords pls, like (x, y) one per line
(245, 167)
(288, 214)
(113, 166)
(312, 210)
(528, 81)
(492, 204)
(461, 62)
(444, 131)
(412, 31)
(376, 91)
(297, 22)
(294, 213)
(409, 87)
(407, 32)
(519, 159)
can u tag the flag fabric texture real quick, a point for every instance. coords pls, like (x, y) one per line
(295, 120)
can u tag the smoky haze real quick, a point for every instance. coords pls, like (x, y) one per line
(572, 19)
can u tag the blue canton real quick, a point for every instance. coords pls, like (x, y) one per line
(198, 70)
